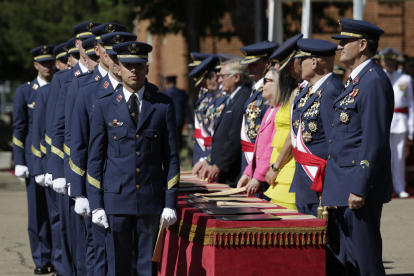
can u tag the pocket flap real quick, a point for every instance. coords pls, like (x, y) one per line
(117, 133)
(151, 133)
(348, 160)
(112, 186)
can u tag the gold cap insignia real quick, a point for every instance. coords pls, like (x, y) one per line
(244, 52)
(110, 28)
(133, 48)
(89, 26)
(45, 50)
(119, 39)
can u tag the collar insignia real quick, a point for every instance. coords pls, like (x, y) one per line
(119, 98)
(115, 123)
(35, 86)
(110, 28)
(77, 73)
(118, 39)
(355, 80)
(106, 84)
(133, 48)
(148, 94)
(45, 50)
(97, 77)
(32, 105)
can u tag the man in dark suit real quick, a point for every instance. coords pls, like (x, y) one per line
(358, 178)
(226, 154)
(133, 167)
(180, 101)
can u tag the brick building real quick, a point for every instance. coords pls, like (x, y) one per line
(169, 56)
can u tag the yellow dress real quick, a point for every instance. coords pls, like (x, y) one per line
(279, 193)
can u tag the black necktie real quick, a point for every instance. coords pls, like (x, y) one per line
(133, 110)
(118, 86)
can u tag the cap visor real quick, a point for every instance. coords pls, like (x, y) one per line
(110, 52)
(133, 60)
(248, 61)
(339, 37)
(85, 36)
(46, 58)
(99, 40)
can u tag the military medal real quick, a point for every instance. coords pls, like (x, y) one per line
(304, 99)
(115, 123)
(307, 137)
(344, 117)
(32, 105)
(313, 127)
(313, 110)
(350, 98)
(35, 86)
(219, 110)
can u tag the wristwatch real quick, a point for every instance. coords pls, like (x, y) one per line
(275, 169)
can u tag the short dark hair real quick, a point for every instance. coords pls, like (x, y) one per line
(372, 46)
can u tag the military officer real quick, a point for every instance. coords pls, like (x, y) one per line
(24, 104)
(358, 178)
(60, 53)
(311, 121)
(257, 60)
(133, 165)
(402, 125)
(86, 97)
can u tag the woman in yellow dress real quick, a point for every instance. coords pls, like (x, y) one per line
(280, 175)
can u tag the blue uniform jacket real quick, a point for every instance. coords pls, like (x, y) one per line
(199, 110)
(24, 103)
(58, 81)
(225, 148)
(312, 116)
(39, 129)
(359, 158)
(180, 100)
(133, 170)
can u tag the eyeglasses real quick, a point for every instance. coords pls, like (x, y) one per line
(266, 80)
(222, 76)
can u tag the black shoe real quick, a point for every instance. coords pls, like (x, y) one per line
(41, 270)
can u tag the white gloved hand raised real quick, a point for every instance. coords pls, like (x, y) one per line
(99, 217)
(68, 189)
(40, 179)
(82, 206)
(48, 180)
(169, 215)
(21, 171)
(59, 186)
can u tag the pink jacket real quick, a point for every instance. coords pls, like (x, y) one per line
(263, 147)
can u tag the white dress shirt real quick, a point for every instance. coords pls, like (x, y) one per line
(139, 93)
(102, 71)
(41, 81)
(114, 82)
(359, 68)
(82, 67)
(318, 84)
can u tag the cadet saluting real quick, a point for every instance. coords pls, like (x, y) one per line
(358, 172)
(133, 164)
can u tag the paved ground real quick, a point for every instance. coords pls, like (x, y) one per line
(15, 259)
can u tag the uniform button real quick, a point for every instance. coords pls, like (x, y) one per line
(336, 109)
(193, 142)
(353, 162)
(332, 125)
(137, 136)
(329, 157)
(138, 170)
(294, 111)
(114, 137)
(155, 135)
(138, 153)
(330, 141)
(257, 157)
(106, 189)
(138, 187)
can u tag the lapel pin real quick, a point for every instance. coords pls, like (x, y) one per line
(77, 73)
(115, 123)
(148, 94)
(97, 77)
(355, 80)
(119, 98)
(106, 84)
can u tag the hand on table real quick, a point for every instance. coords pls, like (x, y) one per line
(82, 206)
(21, 171)
(40, 179)
(203, 173)
(356, 201)
(99, 217)
(169, 215)
(198, 166)
(252, 187)
(59, 186)
(48, 180)
(244, 179)
(213, 173)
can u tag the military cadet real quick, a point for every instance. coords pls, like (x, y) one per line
(402, 126)
(133, 164)
(312, 121)
(257, 60)
(60, 53)
(24, 104)
(226, 143)
(180, 100)
(358, 178)
(79, 127)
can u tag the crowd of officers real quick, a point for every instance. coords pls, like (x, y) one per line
(99, 145)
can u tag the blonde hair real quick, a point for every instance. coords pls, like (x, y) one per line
(276, 98)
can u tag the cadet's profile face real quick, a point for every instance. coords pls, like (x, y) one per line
(61, 64)
(293, 69)
(256, 69)
(212, 83)
(81, 50)
(308, 65)
(103, 56)
(133, 74)
(113, 64)
(93, 61)
(74, 58)
(45, 68)
(349, 48)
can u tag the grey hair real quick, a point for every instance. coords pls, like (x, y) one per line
(237, 68)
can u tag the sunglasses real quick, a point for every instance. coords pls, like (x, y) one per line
(266, 80)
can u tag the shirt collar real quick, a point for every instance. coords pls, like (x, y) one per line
(41, 81)
(102, 71)
(235, 92)
(257, 85)
(359, 68)
(139, 93)
(113, 81)
(82, 67)
(319, 82)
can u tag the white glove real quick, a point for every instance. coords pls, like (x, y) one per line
(99, 217)
(48, 180)
(68, 189)
(21, 171)
(82, 206)
(59, 186)
(40, 179)
(169, 215)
